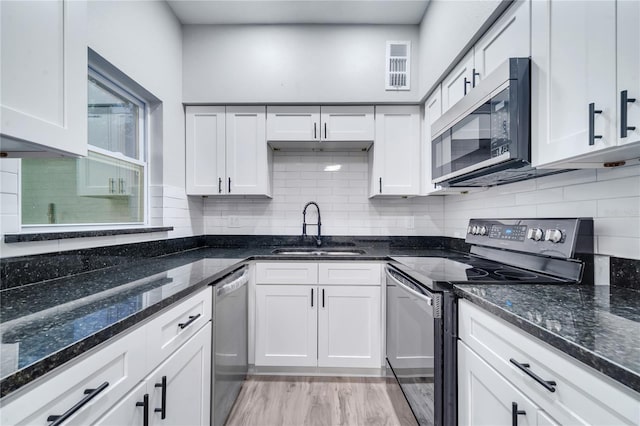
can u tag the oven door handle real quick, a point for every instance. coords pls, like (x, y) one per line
(427, 299)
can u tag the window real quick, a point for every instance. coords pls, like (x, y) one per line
(106, 187)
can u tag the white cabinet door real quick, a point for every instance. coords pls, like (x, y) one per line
(130, 410)
(508, 38)
(293, 123)
(349, 327)
(487, 398)
(574, 55)
(187, 375)
(247, 151)
(205, 150)
(347, 123)
(44, 77)
(432, 111)
(396, 151)
(458, 83)
(629, 67)
(286, 325)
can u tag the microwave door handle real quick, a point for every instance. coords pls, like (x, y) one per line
(427, 299)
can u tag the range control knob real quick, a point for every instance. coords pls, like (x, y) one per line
(475, 230)
(483, 230)
(535, 234)
(553, 235)
(470, 229)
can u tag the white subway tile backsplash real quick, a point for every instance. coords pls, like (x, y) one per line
(566, 179)
(624, 187)
(619, 207)
(8, 182)
(617, 172)
(619, 246)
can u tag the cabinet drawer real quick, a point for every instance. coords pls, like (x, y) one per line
(349, 273)
(582, 395)
(171, 329)
(120, 363)
(287, 273)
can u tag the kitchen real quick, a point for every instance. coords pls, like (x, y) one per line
(316, 65)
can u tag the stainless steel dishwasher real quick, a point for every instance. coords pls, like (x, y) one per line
(230, 353)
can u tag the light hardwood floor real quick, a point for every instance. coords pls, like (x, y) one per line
(298, 401)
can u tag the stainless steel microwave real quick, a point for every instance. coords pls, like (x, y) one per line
(485, 138)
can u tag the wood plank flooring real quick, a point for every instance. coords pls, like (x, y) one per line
(298, 401)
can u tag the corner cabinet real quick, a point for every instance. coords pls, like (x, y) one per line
(318, 315)
(226, 151)
(494, 390)
(585, 83)
(44, 78)
(395, 159)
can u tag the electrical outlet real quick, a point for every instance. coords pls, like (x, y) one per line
(233, 222)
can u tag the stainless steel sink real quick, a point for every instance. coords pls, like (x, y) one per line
(317, 252)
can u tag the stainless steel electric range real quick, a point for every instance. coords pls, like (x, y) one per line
(422, 309)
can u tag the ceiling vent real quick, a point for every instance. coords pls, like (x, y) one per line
(398, 65)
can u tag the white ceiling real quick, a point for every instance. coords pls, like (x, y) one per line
(299, 11)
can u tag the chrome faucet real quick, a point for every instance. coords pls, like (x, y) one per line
(304, 222)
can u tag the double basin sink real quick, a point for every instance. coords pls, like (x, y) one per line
(317, 252)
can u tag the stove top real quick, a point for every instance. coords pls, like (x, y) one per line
(470, 269)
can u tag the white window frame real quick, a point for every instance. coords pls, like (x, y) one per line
(143, 150)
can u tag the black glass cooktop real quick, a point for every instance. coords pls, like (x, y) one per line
(470, 269)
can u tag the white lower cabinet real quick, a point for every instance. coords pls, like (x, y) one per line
(175, 344)
(184, 379)
(490, 381)
(325, 322)
(487, 398)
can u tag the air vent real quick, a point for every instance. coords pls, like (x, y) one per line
(398, 65)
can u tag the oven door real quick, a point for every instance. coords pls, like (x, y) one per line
(414, 345)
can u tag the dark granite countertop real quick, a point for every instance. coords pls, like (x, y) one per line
(597, 325)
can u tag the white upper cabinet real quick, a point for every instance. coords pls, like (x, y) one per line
(293, 123)
(458, 83)
(628, 44)
(586, 61)
(432, 111)
(347, 123)
(247, 151)
(508, 37)
(226, 151)
(395, 161)
(44, 78)
(347, 126)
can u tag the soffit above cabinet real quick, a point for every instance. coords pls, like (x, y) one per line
(406, 12)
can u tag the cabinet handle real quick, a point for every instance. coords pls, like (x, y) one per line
(548, 384)
(312, 298)
(145, 409)
(325, 131)
(515, 413)
(592, 123)
(314, 131)
(323, 297)
(465, 85)
(163, 406)
(121, 185)
(90, 394)
(219, 185)
(229, 186)
(625, 100)
(192, 318)
(381, 185)
(473, 78)
(112, 186)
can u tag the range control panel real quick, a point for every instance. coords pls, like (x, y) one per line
(550, 237)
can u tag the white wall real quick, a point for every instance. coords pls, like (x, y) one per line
(342, 196)
(610, 196)
(292, 63)
(446, 28)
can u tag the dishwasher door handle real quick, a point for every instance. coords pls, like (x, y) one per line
(423, 297)
(230, 287)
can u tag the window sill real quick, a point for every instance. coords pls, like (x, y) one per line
(47, 236)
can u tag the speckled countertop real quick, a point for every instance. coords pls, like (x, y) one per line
(45, 324)
(598, 325)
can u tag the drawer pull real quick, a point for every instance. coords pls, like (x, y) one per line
(91, 393)
(145, 409)
(192, 318)
(548, 384)
(163, 407)
(515, 413)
